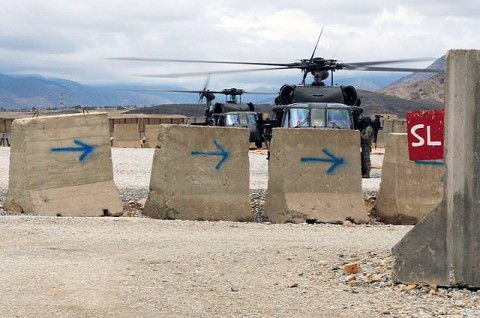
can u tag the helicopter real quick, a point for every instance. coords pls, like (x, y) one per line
(316, 92)
(232, 113)
(309, 99)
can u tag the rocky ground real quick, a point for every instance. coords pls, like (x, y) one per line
(140, 267)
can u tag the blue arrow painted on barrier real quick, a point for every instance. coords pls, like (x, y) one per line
(429, 163)
(221, 153)
(85, 148)
(334, 160)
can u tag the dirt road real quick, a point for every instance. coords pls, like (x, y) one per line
(132, 267)
(139, 267)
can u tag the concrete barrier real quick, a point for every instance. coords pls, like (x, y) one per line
(409, 189)
(380, 139)
(315, 174)
(151, 135)
(442, 249)
(126, 136)
(393, 125)
(200, 173)
(62, 165)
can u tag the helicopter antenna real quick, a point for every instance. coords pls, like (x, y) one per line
(336, 51)
(305, 72)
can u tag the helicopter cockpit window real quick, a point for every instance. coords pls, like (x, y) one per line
(232, 120)
(297, 117)
(339, 118)
(237, 120)
(318, 117)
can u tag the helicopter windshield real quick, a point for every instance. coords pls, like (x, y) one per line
(338, 118)
(241, 120)
(298, 117)
(317, 118)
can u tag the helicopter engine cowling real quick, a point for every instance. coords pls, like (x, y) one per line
(285, 95)
(350, 95)
(290, 94)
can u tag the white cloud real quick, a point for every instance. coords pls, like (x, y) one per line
(71, 39)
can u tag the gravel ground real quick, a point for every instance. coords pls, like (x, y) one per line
(140, 267)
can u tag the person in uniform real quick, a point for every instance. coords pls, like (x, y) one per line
(367, 135)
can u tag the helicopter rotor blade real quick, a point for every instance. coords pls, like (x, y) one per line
(226, 91)
(392, 69)
(161, 90)
(370, 63)
(207, 81)
(142, 59)
(204, 91)
(174, 75)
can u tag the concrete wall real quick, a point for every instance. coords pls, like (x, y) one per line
(143, 120)
(50, 177)
(200, 173)
(126, 136)
(380, 139)
(151, 135)
(408, 190)
(312, 190)
(6, 125)
(393, 125)
(443, 248)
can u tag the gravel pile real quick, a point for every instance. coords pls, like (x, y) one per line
(257, 197)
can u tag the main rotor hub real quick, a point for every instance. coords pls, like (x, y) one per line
(319, 64)
(233, 91)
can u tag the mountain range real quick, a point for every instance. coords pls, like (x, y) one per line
(384, 91)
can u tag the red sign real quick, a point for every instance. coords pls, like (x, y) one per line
(425, 134)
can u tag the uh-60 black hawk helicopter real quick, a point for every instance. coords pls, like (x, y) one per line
(231, 113)
(313, 105)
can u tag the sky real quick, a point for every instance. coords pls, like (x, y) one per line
(75, 39)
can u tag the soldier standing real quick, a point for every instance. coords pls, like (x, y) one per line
(367, 135)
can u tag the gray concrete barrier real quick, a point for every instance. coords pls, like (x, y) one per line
(151, 135)
(409, 189)
(200, 173)
(393, 125)
(126, 136)
(380, 139)
(62, 165)
(443, 248)
(315, 174)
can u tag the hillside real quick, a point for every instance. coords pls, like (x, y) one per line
(430, 89)
(420, 86)
(17, 92)
(372, 103)
(376, 103)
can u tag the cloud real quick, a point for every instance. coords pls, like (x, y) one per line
(71, 39)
